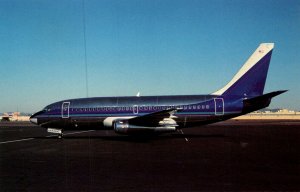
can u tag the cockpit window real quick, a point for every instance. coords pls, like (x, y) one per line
(47, 109)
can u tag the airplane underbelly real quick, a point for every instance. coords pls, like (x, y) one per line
(84, 123)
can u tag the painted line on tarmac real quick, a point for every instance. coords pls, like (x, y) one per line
(28, 139)
(186, 139)
(72, 133)
(78, 132)
(19, 140)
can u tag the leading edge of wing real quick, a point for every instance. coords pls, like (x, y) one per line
(154, 119)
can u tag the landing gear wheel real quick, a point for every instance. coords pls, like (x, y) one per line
(60, 136)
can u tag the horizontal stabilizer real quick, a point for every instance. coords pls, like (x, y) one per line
(260, 102)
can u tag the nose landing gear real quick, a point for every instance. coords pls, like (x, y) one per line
(60, 132)
(60, 136)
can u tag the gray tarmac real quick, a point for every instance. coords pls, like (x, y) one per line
(228, 156)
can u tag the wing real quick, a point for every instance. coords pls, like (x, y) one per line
(160, 118)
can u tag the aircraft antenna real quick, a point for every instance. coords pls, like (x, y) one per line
(85, 54)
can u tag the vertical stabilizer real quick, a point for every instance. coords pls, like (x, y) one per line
(251, 78)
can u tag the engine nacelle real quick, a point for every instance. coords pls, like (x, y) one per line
(123, 127)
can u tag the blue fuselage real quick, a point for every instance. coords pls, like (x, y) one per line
(87, 113)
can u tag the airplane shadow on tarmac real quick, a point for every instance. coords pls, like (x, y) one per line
(135, 138)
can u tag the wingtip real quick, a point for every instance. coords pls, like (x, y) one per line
(282, 91)
(275, 93)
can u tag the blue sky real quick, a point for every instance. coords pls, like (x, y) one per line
(152, 47)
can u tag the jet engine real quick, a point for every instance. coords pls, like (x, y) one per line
(123, 127)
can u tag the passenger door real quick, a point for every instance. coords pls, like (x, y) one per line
(219, 106)
(65, 109)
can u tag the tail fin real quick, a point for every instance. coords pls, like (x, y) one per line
(250, 79)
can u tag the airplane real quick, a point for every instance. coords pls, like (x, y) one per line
(164, 114)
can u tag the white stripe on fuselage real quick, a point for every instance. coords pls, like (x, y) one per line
(259, 53)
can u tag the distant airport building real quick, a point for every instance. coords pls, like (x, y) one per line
(14, 116)
(272, 114)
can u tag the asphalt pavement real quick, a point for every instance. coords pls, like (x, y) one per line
(228, 156)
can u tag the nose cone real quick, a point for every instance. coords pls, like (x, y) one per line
(33, 119)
